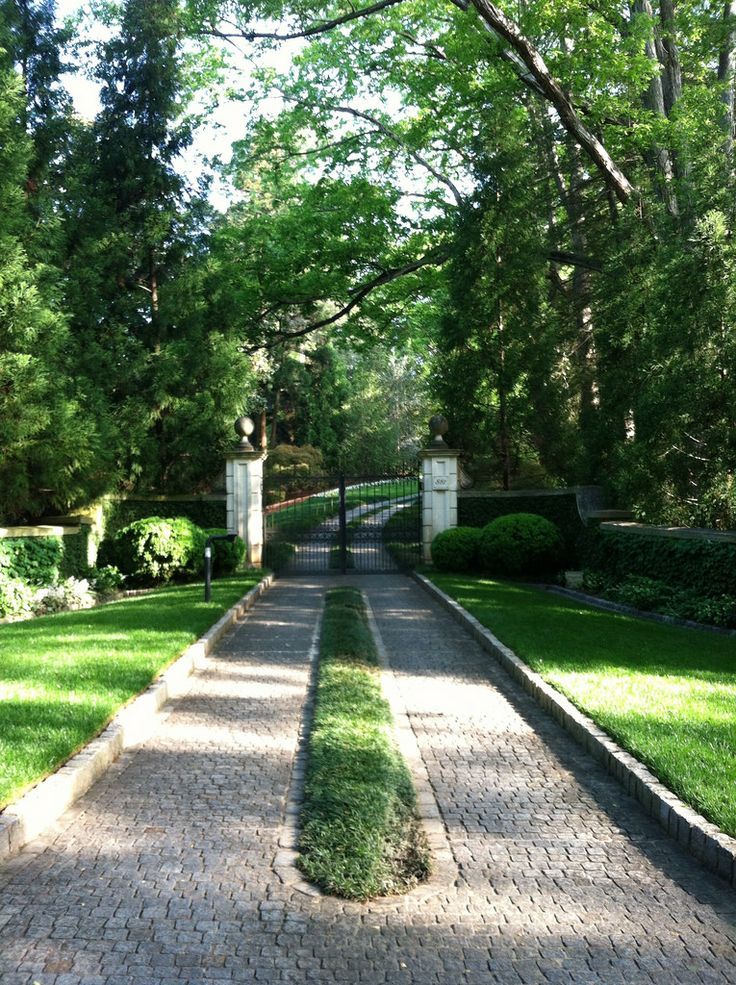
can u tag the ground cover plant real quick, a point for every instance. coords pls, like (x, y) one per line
(63, 677)
(665, 693)
(360, 837)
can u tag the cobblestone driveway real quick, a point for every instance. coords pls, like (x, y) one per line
(162, 873)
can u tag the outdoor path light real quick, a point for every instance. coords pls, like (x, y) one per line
(208, 561)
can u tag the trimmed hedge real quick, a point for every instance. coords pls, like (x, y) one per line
(227, 556)
(521, 544)
(705, 566)
(456, 549)
(562, 510)
(119, 513)
(35, 560)
(74, 562)
(156, 549)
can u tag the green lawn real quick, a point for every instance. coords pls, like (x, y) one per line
(666, 694)
(359, 837)
(63, 677)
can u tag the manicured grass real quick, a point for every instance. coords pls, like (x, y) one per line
(666, 694)
(360, 837)
(63, 677)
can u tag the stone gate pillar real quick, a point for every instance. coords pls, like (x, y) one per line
(439, 486)
(244, 485)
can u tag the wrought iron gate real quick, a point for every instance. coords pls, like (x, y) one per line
(343, 523)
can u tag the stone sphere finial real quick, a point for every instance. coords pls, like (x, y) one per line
(244, 428)
(438, 427)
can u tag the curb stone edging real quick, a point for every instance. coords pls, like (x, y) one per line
(703, 840)
(27, 818)
(444, 872)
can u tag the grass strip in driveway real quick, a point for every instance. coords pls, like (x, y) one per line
(664, 693)
(359, 834)
(63, 677)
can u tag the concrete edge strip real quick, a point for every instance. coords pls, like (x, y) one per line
(703, 840)
(444, 869)
(36, 811)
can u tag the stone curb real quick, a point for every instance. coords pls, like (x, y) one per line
(28, 817)
(706, 842)
(444, 872)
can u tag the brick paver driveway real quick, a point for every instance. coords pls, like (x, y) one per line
(162, 874)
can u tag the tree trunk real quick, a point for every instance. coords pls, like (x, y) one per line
(727, 78)
(654, 100)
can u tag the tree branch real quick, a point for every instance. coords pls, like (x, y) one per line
(357, 296)
(308, 32)
(500, 24)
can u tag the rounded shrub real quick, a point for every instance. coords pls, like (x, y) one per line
(520, 544)
(227, 556)
(456, 549)
(155, 550)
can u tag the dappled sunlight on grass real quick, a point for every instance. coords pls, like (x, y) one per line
(63, 677)
(665, 693)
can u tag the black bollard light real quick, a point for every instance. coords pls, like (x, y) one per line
(208, 561)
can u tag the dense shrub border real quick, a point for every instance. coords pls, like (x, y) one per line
(360, 837)
(706, 566)
(119, 513)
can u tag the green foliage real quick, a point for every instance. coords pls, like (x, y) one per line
(562, 510)
(119, 513)
(520, 544)
(34, 560)
(359, 835)
(615, 556)
(74, 561)
(667, 695)
(16, 596)
(277, 554)
(227, 556)
(651, 595)
(456, 549)
(155, 550)
(106, 580)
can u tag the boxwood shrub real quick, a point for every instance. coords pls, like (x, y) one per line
(156, 549)
(521, 544)
(227, 556)
(562, 510)
(456, 549)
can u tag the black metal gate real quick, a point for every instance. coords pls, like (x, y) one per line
(336, 524)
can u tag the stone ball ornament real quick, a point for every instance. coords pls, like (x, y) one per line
(438, 427)
(244, 428)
